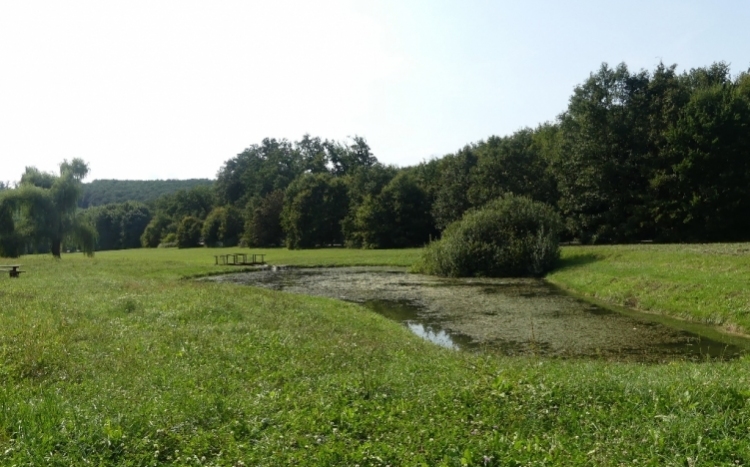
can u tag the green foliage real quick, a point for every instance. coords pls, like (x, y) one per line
(656, 156)
(134, 221)
(274, 164)
(314, 206)
(348, 159)
(11, 241)
(169, 240)
(257, 171)
(513, 164)
(119, 225)
(453, 185)
(232, 226)
(195, 202)
(42, 209)
(263, 224)
(222, 227)
(211, 227)
(181, 213)
(704, 283)
(509, 237)
(159, 226)
(604, 146)
(189, 232)
(708, 147)
(397, 217)
(102, 192)
(119, 362)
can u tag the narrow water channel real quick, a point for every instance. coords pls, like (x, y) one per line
(505, 316)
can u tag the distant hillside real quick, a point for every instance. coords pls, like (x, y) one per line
(101, 192)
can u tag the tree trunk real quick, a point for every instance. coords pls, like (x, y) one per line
(56, 247)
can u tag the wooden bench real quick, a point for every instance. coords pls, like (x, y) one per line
(13, 269)
(240, 259)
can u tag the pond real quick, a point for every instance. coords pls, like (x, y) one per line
(506, 316)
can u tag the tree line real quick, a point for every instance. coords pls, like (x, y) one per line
(660, 155)
(101, 192)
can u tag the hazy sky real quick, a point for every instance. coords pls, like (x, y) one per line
(172, 89)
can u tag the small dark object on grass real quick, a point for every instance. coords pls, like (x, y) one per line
(13, 270)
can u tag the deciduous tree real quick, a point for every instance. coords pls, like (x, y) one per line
(44, 208)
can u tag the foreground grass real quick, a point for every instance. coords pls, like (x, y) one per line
(116, 361)
(705, 283)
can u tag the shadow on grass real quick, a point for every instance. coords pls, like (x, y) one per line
(576, 261)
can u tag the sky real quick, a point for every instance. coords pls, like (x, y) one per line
(165, 89)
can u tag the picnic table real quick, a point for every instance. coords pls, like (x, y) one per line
(13, 269)
(240, 259)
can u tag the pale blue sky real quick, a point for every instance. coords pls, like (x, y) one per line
(172, 89)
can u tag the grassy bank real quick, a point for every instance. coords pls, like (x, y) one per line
(706, 283)
(117, 361)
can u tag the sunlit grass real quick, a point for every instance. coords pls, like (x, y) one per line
(706, 283)
(118, 360)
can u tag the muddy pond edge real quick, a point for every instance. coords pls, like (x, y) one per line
(723, 333)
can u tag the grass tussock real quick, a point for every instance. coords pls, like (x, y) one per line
(114, 361)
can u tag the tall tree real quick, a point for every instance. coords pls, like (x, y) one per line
(314, 206)
(604, 140)
(710, 147)
(451, 198)
(45, 206)
(346, 159)
(259, 170)
(119, 225)
(513, 164)
(397, 217)
(263, 220)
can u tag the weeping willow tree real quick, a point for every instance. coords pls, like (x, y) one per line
(42, 210)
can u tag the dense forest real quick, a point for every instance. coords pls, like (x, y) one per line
(660, 156)
(101, 192)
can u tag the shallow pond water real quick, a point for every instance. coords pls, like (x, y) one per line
(507, 316)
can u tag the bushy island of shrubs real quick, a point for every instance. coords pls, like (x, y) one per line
(512, 236)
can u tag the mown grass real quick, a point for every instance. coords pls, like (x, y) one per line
(707, 283)
(117, 361)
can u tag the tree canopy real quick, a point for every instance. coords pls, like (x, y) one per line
(102, 192)
(43, 209)
(647, 155)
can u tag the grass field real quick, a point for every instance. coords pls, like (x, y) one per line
(708, 283)
(117, 360)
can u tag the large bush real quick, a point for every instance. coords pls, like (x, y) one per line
(509, 237)
(156, 230)
(222, 227)
(189, 232)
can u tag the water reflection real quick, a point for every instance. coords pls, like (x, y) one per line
(436, 336)
(408, 313)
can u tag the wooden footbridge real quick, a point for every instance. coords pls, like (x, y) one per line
(240, 259)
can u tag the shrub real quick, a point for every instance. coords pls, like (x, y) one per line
(156, 230)
(169, 241)
(511, 236)
(189, 232)
(212, 226)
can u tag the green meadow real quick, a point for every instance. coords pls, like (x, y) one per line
(705, 283)
(121, 359)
